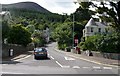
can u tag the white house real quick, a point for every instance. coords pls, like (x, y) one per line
(46, 34)
(5, 15)
(93, 27)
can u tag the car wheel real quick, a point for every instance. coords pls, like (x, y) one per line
(46, 56)
(35, 57)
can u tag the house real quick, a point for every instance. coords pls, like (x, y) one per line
(46, 34)
(5, 15)
(95, 27)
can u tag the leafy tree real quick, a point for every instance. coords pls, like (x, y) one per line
(38, 38)
(31, 28)
(113, 13)
(19, 35)
(110, 43)
(5, 29)
(63, 35)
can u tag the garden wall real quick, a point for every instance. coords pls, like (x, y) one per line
(18, 49)
(104, 55)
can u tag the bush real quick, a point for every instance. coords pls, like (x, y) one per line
(68, 49)
(108, 43)
(19, 35)
(82, 46)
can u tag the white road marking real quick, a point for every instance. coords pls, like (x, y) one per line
(4, 64)
(23, 58)
(75, 67)
(96, 67)
(85, 67)
(69, 58)
(58, 63)
(65, 66)
(11, 73)
(62, 65)
(107, 67)
(52, 57)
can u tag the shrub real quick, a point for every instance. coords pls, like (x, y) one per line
(19, 35)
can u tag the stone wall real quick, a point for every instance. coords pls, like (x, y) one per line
(104, 55)
(17, 49)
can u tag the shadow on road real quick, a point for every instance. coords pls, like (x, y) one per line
(43, 59)
(9, 62)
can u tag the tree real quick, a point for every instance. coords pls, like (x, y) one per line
(63, 35)
(19, 35)
(5, 30)
(31, 28)
(38, 38)
(113, 13)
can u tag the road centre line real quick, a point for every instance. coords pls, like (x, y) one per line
(59, 64)
(52, 57)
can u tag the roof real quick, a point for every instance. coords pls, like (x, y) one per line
(91, 22)
(4, 12)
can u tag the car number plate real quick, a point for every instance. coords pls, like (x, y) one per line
(40, 53)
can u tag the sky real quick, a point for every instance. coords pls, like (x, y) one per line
(55, 6)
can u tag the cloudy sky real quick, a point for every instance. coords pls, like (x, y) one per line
(55, 6)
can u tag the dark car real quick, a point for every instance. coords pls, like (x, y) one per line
(40, 53)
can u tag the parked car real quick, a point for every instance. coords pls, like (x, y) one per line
(40, 53)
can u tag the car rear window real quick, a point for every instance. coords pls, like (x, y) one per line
(41, 49)
(38, 50)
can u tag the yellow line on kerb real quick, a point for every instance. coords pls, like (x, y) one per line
(91, 61)
(94, 61)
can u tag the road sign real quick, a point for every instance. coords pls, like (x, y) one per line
(76, 41)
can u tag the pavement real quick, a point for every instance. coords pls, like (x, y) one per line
(92, 59)
(15, 57)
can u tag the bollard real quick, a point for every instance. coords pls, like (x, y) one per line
(11, 52)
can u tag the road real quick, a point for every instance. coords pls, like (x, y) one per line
(57, 63)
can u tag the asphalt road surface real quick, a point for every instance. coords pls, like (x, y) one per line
(57, 64)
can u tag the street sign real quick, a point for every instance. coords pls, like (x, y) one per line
(76, 41)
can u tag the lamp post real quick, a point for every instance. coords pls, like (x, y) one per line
(74, 23)
(73, 29)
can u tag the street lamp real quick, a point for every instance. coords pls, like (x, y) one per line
(73, 28)
(75, 2)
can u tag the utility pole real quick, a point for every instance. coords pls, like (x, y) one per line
(73, 28)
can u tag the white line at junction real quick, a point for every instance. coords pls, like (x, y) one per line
(62, 65)
(23, 58)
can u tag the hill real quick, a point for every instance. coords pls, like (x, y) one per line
(25, 5)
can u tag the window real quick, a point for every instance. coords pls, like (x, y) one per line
(91, 29)
(99, 29)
